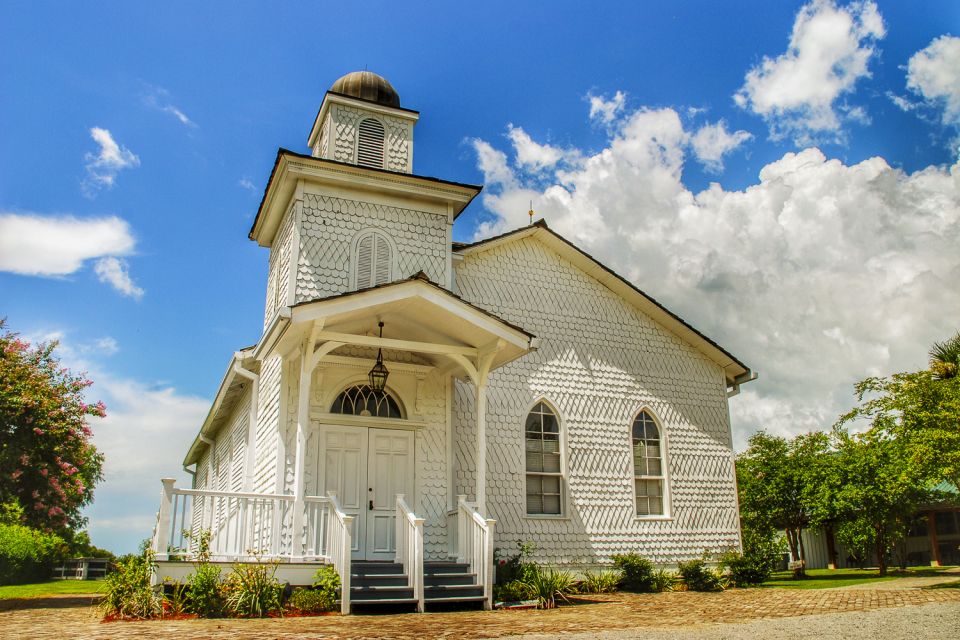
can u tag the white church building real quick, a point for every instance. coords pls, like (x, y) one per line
(414, 404)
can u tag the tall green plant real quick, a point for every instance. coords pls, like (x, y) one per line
(253, 590)
(128, 592)
(636, 572)
(207, 597)
(548, 585)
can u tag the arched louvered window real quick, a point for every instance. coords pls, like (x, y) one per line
(648, 478)
(362, 400)
(373, 260)
(544, 468)
(370, 143)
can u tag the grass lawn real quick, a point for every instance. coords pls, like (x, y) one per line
(827, 578)
(50, 588)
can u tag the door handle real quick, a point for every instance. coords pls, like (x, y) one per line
(371, 505)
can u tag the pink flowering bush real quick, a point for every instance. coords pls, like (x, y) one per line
(48, 466)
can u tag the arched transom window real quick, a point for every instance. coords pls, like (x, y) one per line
(373, 260)
(544, 468)
(370, 143)
(647, 465)
(362, 400)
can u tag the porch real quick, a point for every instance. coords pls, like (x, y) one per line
(251, 527)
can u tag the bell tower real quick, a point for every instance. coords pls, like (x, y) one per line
(361, 122)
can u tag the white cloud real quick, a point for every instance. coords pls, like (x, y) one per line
(114, 272)
(493, 163)
(32, 244)
(606, 111)
(143, 438)
(818, 275)
(712, 141)
(532, 155)
(829, 51)
(107, 346)
(247, 184)
(159, 98)
(934, 74)
(103, 166)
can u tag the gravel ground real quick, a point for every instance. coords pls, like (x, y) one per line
(934, 621)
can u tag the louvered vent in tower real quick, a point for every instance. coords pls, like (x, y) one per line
(374, 262)
(370, 144)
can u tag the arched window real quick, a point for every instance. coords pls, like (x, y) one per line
(373, 260)
(544, 468)
(370, 143)
(362, 400)
(647, 465)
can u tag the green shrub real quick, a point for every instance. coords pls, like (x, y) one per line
(326, 583)
(699, 577)
(547, 586)
(253, 591)
(128, 593)
(310, 601)
(513, 591)
(28, 555)
(637, 572)
(206, 593)
(175, 598)
(517, 566)
(605, 581)
(663, 580)
(747, 570)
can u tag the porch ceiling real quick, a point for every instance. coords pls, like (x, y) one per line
(418, 316)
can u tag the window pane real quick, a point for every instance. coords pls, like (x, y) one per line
(534, 461)
(656, 506)
(641, 488)
(551, 463)
(533, 423)
(534, 503)
(551, 504)
(551, 446)
(550, 424)
(643, 507)
(551, 484)
(533, 484)
(653, 467)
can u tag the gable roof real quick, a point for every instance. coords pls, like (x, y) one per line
(736, 372)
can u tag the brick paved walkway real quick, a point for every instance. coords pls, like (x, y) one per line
(62, 618)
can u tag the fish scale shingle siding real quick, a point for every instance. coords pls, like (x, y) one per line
(599, 362)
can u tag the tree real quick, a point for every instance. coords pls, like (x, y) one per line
(877, 487)
(778, 482)
(945, 358)
(48, 466)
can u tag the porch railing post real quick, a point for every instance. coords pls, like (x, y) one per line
(162, 539)
(488, 566)
(346, 550)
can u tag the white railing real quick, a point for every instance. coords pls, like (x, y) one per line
(409, 546)
(475, 545)
(340, 548)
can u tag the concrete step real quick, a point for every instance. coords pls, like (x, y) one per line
(430, 568)
(379, 568)
(380, 594)
(378, 580)
(445, 592)
(436, 579)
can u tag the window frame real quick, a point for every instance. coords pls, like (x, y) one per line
(664, 476)
(561, 474)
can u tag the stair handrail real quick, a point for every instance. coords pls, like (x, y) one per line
(475, 545)
(340, 548)
(409, 547)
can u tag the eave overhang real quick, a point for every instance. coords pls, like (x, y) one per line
(735, 372)
(291, 167)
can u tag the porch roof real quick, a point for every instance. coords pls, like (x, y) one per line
(418, 316)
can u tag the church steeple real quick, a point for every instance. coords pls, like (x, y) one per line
(361, 122)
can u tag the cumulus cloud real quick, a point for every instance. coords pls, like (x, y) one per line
(33, 244)
(829, 51)
(712, 141)
(138, 412)
(159, 98)
(606, 111)
(103, 166)
(817, 275)
(933, 74)
(114, 272)
(532, 155)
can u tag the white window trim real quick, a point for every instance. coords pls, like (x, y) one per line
(561, 426)
(664, 476)
(355, 248)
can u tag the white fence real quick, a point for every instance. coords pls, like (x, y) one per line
(475, 545)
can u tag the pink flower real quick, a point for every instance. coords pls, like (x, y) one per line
(43, 472)
(24, 460)
(35, 494)
(16, 474)
(38, 506)
(38, 431)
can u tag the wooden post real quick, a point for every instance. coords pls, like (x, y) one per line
(481, 481)
(461, 529)
(346, 550)
(163, 522)
(488, 567)
(934, 544)
(299, 473)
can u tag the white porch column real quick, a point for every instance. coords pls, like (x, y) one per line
(483, 372)
(303, 418)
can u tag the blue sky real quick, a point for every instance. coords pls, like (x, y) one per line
(137, 141)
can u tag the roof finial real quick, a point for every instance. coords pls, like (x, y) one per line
(530, 213)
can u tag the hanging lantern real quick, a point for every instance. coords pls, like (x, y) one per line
(378, 375)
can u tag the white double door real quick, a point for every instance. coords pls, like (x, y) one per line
(367, 468)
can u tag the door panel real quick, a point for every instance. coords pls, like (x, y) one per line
(344, 470)
(390, 471)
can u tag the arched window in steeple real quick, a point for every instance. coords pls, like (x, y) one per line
(373, 260)
(370, 136)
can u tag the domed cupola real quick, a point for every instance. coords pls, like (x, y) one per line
(361, 122)
(366, 85)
